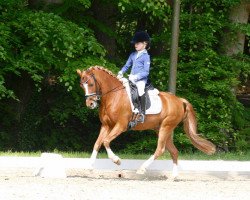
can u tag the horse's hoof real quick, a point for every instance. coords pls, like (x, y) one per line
(174, 178)
(141, 171)
(118, 162)
(175, 174)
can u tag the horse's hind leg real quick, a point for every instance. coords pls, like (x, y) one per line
(174, 154)
(164, 134)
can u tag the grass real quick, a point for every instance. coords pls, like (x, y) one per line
(240, 156)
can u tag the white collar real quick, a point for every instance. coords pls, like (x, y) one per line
(142, 51)
(139, 53)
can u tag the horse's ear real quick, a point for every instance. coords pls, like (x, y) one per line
(79, 72)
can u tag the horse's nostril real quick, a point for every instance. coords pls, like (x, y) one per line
(92, 105)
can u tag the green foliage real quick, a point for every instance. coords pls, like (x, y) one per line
(154, 9)
(46, 48)
(42, 45)
(141, 143)
(205, 77)
(85, 3)
(241, 124)
(40, 42)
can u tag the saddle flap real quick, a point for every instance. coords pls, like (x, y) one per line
(153, 101)
(135, 95)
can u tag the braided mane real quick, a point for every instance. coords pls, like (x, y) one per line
(103, 69)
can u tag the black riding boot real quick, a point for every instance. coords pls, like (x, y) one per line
(143, 108)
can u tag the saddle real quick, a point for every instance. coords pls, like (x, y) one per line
(135, 95)
(152, 97)
(153, 101)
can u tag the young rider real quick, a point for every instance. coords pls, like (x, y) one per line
(140, 63)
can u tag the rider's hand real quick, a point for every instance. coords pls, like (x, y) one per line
(120, 75)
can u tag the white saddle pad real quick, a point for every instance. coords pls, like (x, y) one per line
(156, 104)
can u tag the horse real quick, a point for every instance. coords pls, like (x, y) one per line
(101, 85)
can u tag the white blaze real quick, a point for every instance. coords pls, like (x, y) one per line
(85, 85)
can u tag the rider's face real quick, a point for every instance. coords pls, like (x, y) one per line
(140, 46)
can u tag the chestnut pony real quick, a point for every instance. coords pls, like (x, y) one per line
(115, 113)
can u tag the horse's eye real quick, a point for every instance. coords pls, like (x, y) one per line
(91, 84)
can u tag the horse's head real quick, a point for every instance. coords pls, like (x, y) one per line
(91, 87)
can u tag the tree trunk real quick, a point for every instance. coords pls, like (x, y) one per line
(238, 14)
(105, 14)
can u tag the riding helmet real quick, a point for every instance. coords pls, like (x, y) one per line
(140, 36)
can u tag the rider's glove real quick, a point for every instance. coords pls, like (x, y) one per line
(120, 75)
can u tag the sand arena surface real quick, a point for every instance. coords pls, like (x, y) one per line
(19, 183)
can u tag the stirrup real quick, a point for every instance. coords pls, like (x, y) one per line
(141, 118)
(132, 124)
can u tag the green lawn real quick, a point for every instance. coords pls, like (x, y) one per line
(182, 156)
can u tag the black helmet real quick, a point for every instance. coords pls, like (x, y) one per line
(140, 36)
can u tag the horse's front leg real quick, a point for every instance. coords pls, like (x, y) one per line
(103, 133)
(116, 131)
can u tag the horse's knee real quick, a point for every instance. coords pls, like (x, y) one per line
(106, 143)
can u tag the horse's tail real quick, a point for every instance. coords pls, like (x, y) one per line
(190, 127)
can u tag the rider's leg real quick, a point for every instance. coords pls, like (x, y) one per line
(141, 90)
(143, 104)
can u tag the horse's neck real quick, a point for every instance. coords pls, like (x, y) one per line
(107, 82)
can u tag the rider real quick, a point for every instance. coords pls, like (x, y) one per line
(140, 63)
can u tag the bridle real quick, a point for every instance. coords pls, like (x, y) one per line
(98, 93)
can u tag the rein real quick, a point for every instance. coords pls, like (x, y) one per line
(112, 90)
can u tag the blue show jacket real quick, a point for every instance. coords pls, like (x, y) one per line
(140, 65)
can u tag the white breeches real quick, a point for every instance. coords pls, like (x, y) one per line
(141, 87)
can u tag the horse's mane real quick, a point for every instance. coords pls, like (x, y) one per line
(92, 68)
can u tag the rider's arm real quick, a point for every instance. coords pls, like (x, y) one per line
(146, 65)
(128, 64)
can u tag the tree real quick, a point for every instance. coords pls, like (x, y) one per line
(42, 43)
(39, 49)
(234, 40)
